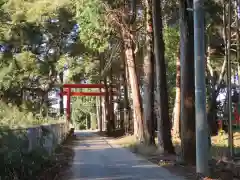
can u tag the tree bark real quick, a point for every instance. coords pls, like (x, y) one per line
(216, 84)
(137, 106)
(127, 121)
(98, 116)
(120, 100)
(164, 124)
(188, 138)
(61, 107)
(212, 105)
(107, 110)
(177, 105)
(103, 107)
(100, 126)
(111, 104)
(149, 79)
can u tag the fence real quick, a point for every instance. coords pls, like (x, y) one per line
(24, 151)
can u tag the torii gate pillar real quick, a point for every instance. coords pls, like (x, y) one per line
(68, 92)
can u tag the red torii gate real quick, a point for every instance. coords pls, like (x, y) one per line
(67, 92)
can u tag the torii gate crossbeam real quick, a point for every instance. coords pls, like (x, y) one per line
(68, 93)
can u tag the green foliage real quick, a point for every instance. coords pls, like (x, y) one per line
(93, 121)
(12, 117)
(213, 18)
(27, 26)
(82, 108)
(86, 67)
(34, 10)
(92, 18)
(17, 70)
(24, 26)
(79, 118)
(171, 40)
(17, 161)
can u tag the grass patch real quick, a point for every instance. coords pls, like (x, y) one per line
(219, 147)
(219, 150)
(124, 141)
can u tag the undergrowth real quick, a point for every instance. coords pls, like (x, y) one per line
(12, 117)
(17, 163)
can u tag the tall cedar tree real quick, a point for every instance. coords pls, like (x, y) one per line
(164, 125)
(188, 139)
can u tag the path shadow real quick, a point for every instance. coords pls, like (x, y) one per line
(94, 160)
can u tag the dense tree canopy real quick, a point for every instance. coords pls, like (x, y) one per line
(112, 42)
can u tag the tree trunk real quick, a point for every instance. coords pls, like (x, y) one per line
(120, 103)
(103, 107)
(107, 123)
(137, 106)
(111, 104)
(149, 79)
(212, 104)
(98, 116)
(164, 124)
(61, 107)
(127, 121)
(188, 138)
(216, 84)
(100, 125)
(107, 110)
(93, 121)
(106, 104)
(177, 105)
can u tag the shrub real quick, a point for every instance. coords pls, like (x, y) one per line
(12, 117)
(17, 162)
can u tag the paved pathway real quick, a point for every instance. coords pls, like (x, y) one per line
(95, 159)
